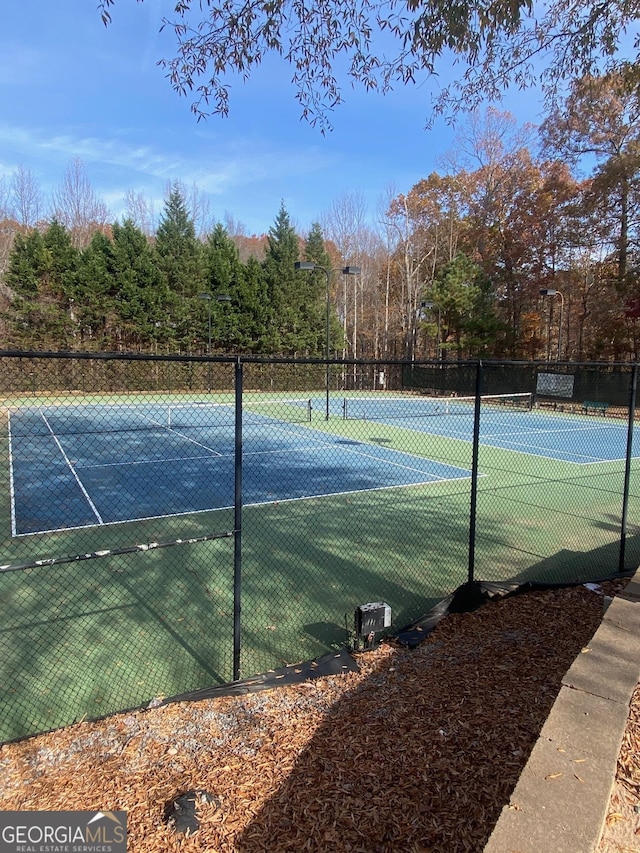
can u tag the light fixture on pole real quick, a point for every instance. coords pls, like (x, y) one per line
(349, 270)
(550, 291)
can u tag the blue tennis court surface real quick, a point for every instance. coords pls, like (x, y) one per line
(565, 437)
(81, 465)
(77, 466)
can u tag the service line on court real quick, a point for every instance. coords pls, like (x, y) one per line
(73, 470)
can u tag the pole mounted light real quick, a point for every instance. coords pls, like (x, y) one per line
(551, 291)
(348, 270)
(221, 297)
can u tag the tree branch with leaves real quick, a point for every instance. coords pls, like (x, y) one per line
(379, 44)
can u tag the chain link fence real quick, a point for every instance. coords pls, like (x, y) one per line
(170, 524)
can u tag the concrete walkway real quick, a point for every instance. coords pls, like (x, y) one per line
(560, 802)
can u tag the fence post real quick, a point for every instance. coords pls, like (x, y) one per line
(627, 469)
(474, 476)
(237, 524)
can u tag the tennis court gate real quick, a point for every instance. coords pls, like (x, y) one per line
(172, 523)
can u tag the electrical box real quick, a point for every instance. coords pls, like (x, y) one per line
(371, 618)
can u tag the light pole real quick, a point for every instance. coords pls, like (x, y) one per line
(207, 296)
(429, 306)
(550, 291)
(309, 265)
(221, 297)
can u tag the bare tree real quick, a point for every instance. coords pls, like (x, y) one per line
(76, 205)
(344, 225)
(140, 211)
(8, 227)
(26, 201)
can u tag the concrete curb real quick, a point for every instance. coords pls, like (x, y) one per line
(560, 802)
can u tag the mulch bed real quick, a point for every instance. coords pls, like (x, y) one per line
(621, 832)
(418, 751)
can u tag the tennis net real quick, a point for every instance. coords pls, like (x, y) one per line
(205, 414)
(78, 419)
(399, 407)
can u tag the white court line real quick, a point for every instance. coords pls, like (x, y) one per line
(197, 443)
(160, 461)
(434, 481)
(557, 431)
(535, 450)
(72, 469)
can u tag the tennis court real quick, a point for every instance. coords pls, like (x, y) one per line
(507, 421)
(120, 476)
(75, 466)
(83, 465)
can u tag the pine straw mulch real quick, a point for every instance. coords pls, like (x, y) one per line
(418, 751)
(621, 833)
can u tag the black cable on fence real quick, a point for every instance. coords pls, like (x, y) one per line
(112, 552)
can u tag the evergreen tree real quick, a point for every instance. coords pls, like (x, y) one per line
(62, 260)
(286, 289)
(94, 294)
(41, 273)
(223, 275)
(253, 299)
(180, 255)
(27, 263)
(465, 298)
(143, 298)
(238, 325)
(317, 300)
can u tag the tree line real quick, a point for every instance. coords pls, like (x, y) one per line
(173, 294)
(508, 252)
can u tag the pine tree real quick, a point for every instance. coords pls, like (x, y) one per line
(62, 260)
(286, 290)
(180, 255)
(238, 325)
(41, 273)
(253, 301)
(318, 300)
(143, 298)
(94, 293)
(27, 263)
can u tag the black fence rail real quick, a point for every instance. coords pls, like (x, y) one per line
(173, 523)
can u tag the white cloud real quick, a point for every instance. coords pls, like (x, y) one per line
(236, 164)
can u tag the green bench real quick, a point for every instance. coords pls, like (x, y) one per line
(595, 406)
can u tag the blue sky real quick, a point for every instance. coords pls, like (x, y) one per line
(71, 88)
